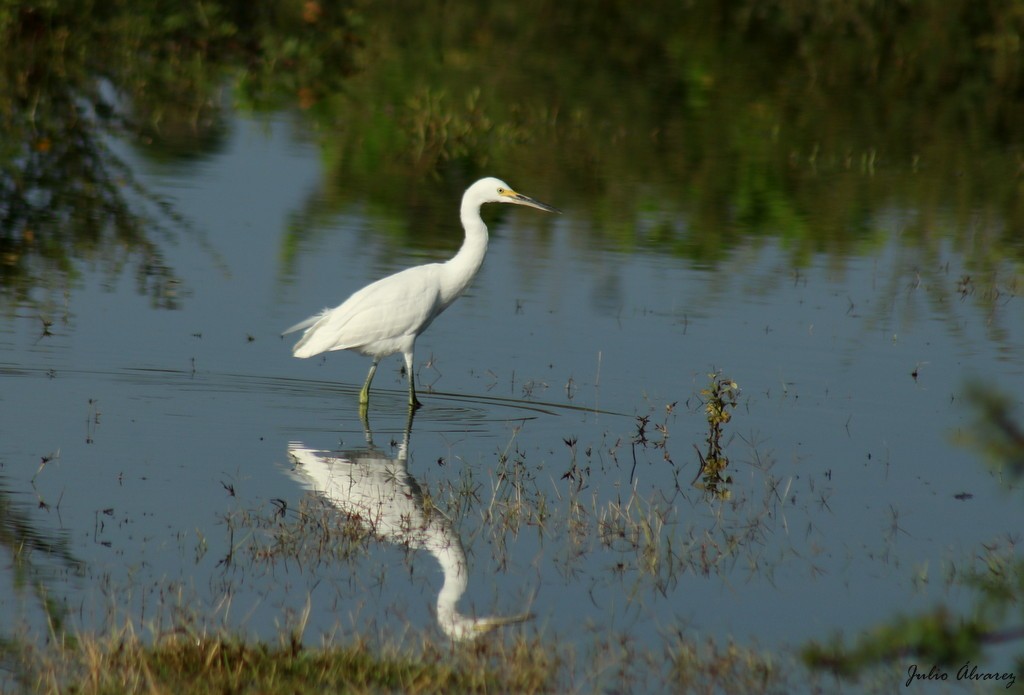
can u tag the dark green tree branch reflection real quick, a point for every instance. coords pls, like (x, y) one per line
(33, 556)
(76, 76)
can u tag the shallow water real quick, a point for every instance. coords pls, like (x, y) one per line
(166, 434)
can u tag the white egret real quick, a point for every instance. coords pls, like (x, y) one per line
(388, 315)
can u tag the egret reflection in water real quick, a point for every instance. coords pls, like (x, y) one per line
(377, 491)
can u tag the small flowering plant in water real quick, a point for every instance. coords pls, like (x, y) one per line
(719, 398)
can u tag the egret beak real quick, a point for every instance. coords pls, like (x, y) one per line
(520, 199)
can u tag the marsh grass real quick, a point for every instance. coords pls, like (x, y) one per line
(710, 667)
(310, 535)
(123, 662)
(187, 648)
(639, 530)
(188, 659)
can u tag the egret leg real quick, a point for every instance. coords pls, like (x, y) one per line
(364, 417)
(413, 401)
(364, 394)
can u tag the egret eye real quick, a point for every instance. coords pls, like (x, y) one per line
(502, 191)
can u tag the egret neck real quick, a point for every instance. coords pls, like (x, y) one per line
(460, 270)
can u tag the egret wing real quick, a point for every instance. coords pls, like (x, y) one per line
(377, 319)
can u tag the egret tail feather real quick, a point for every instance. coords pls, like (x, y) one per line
(303, 325)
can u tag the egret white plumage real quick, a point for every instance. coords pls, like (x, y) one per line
(388, 315)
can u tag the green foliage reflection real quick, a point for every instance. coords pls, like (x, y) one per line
(690, 128)
(75, 75)
(682, 128)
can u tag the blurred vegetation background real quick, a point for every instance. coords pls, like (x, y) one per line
(677, 127)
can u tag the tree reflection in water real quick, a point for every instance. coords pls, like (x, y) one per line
(34, 558)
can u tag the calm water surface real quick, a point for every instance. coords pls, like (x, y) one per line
(165, 434)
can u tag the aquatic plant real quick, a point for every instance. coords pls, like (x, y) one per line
(719, 399)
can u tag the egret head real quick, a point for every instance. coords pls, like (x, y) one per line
(492, 190)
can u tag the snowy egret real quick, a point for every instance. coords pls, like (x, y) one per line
(388, 315)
